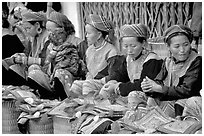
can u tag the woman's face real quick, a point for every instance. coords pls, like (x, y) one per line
(30, 29)
(92, 34)
(57, 35)
(131, 46)
(180, 47)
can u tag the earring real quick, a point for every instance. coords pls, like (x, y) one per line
(39, 30)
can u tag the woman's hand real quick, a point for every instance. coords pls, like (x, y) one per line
(149, 85)
(108, 89)
(20, 58)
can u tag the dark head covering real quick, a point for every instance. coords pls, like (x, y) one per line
(134, 30)
(177, 30)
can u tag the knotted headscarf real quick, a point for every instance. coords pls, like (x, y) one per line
(176, 30)
(134, 30)
(59, 19)
(62, 20)
(102, 24)
(34, 16)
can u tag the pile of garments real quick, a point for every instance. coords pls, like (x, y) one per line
(28, 104)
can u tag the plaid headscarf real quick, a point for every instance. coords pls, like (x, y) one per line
(33, 16)
(99, 22)
(134, 30)
(176, 30)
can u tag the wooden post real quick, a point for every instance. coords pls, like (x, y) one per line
(49, 9)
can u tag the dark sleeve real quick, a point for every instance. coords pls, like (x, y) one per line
(189, 85)
(11, 45)
(150, 69)
(117, 69)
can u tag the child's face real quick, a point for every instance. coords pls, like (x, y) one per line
(92, 34)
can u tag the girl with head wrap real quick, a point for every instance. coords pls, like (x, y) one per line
(181, 75)
(99, 55)
(138, 64)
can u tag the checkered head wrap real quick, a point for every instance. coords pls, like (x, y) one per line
(59, 19)
(134, 30)
(177, 30)
(99, 22)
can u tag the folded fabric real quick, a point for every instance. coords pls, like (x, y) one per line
(7, 62)
(153, 119)
(93, 126)
(180, 127)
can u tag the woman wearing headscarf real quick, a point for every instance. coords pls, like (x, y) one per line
(36, 51)
(61, 64)
(138, 63)
(99, 55)
(180, 79)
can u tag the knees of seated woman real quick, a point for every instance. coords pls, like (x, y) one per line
(33, 67)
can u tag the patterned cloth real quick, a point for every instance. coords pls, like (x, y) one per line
(134, 30)
(193, 108)
(99, 22)
(33, 16)
(176, 30)
(59, 19)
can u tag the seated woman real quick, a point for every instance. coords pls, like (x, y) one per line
(138, 63)
(99, 55)
(180, 78)
(35, 52)
(9, 41)
(62, 62)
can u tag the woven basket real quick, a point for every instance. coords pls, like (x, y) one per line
(9, 117)
(63, 125)
(39, 126)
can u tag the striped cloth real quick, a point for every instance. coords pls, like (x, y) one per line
(99, 22)
(134, 30)
(176, 30)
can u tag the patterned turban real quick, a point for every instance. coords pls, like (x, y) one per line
(59, 19)
(33, 16)
(134, 30)
(99, 22)
(177, 30)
